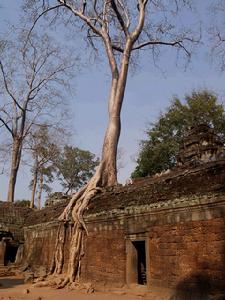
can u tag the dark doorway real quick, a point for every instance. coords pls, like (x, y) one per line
(10, 253)
(141, 261)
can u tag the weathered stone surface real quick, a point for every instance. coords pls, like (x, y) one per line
(2, 252)
(89, 288)
(6, 271)
(29, 277)
(40, 272)
(178, 215)
(180, 244)
(56, 198)
(181, 216)
(12, 219)
(200, 145)
(177, 184)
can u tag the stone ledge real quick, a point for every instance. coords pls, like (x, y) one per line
(184, 203)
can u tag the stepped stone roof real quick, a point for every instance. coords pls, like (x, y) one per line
(174, 184)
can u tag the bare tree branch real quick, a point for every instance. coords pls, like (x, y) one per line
(117, 48)
(120, 18)
(38, 17)
(175, 43)
(138, 29)
(7, 88)
(6, 125)
(81, 15)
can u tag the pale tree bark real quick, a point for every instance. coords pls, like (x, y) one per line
(41, 182)
(17, 132)
(15, 161)
(34, 186)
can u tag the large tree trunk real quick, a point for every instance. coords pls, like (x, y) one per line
(106, 175)
(15, 161)
(40, 190)
(34, 187)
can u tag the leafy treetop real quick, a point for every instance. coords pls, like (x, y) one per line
(159, 151)
(75, 167)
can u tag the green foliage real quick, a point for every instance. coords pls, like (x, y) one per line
(75, 167)
(159, 151)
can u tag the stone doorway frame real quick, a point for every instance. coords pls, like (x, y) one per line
(131, 257)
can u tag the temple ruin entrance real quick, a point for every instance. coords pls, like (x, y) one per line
(136, 270)
(10, 253)
(140, 261)
(8, 248)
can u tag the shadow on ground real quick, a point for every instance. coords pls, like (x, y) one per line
(195, 287)
(6, 283)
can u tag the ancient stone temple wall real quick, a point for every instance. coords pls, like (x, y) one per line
(184, 244)
(166, 231)
(105, 253)
(39, 245)
(12, 219)
(104, 259)
(190, 253)
(2, 253)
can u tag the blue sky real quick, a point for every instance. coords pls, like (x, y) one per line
(149, 91)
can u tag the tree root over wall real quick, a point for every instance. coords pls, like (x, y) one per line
(75, 211)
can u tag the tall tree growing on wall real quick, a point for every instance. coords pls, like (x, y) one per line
(33, 74)
(120, 29)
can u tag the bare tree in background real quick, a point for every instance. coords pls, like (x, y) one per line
(44, 148)
(120, 28)
(33, 74)
(217, 33)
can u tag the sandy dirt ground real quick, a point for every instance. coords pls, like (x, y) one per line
(13, 288)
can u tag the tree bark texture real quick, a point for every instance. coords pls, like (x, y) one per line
(34, 187)
(40, 190)
(15, 161)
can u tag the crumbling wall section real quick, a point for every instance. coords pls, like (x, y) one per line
(12, 219)
(40, 244)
